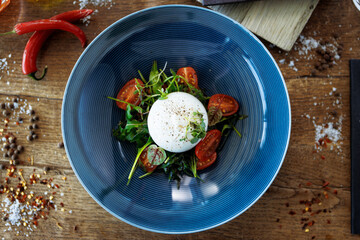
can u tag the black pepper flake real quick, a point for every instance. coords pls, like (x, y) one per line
(35, 126)
(29, 137)
(34, 136)
(292, 212)
(46, 168)
(60, 145)
(20, 148)
(2, 105)
(32, 112)
(2, 167)
(30, 127)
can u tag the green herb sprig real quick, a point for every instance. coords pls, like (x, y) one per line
(196, 127)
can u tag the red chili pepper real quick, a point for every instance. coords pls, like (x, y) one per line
(36, 41)
(46, 24)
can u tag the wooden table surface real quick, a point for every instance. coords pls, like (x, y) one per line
(316, 98)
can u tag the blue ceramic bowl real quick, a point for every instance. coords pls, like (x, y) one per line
(229, 60)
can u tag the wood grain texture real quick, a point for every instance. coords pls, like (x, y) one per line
(277, 21)
(269, 217)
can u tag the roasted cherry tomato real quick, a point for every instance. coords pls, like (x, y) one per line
(4, 4)
(207, 146)
(144, 162)
(127, 93)
(227, 104)
(200, 165)
(189, 74)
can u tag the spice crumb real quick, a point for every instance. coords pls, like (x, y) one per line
(59, 225)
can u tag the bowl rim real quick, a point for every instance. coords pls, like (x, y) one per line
(90, 46)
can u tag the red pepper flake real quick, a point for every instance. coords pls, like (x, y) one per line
(335, 192)
(325, 183)
(326, 196)
(313, 237)
(311, 223)
(280, 226)
(292, 212)
(287, 204)
(322, 157)
(328, 221)
(57, 186)
(54, 193)
(304, 226)
(308, 184)
(62, 204)
(17, 123)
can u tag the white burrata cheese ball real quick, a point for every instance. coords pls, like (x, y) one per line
(169, 118)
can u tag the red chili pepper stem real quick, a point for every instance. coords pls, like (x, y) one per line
(32, 75)
(13, 31)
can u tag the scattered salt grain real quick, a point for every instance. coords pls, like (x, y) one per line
(307, 44)
(282, 61)
(328, 130)
(95, 3)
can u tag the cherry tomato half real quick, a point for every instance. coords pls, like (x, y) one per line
(144, 162)
(189, 74)
(4, 4)
(207, 146)
(200, 165)
(127, 93)
(227, 104)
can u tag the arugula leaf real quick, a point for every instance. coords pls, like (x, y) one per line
(131, 129)
(179, 164)
(155, 82)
